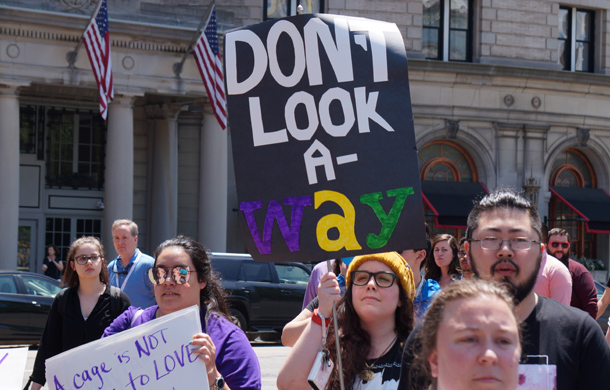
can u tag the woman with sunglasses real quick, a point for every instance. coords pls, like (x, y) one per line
(80, 313)
(375, 316)
(182, 276)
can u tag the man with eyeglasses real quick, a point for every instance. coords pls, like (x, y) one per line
(504, 245)
(129, 271)
(584, 292)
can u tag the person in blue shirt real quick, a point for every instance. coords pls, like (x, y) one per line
(425, 289)
(129, 271)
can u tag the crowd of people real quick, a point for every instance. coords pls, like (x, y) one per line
(493, 310)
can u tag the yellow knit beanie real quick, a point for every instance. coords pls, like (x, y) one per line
(396, 264)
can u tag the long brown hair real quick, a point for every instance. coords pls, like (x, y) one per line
(355, 341)
(212, 295)
(70, 278)
(433, 271)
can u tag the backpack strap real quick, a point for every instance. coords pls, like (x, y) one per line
(115, 301)
(135, 317)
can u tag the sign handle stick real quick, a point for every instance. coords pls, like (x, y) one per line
(337, 344)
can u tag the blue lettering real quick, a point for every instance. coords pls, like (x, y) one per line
(181, 362)
(74, 382)
(58, 386)
(144, 379)
(157, 371)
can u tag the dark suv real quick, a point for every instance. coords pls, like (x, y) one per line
(263, 296)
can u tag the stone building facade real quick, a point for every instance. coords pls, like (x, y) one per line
(503, 91)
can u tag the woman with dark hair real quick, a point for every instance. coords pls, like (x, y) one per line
(52, 266)
(470, 340)
(80, 313)
(375, 316)
(443, 265)
(182, 276)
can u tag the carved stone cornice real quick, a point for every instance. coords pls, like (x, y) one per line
(582, 135)
(451, 128)
(67, 37)
(167, 111)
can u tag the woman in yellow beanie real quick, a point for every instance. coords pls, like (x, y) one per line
(375, 316)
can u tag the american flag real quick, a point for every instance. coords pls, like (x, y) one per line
(97, 42)
(209, 63)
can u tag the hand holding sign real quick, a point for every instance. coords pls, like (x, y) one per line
(155, 355)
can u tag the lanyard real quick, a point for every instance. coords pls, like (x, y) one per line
(122, 287)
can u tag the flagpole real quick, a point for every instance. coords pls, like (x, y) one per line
(72, 54)
(178, 65)
(337, 343)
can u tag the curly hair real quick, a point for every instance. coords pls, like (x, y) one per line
(355, 341)
(420, 374)
(433, 271)
(213, 296)
(70, 278)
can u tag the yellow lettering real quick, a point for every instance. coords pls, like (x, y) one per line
(345, 224)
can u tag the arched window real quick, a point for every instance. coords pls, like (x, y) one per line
(572, 169)
(445, 161)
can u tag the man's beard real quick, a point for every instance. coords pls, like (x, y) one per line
(518, 291)
(563, 257)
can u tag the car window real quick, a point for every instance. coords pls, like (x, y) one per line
(40, 286)
(256, 272)
(292, 274)
(7, 285)
(220, 267)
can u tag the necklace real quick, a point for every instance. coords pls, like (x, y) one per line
(367, 374)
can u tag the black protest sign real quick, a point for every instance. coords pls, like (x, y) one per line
(322, 135)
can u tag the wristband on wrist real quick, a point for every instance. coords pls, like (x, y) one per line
(317, 318)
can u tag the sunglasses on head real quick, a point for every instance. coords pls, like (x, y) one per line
(159, 275)
(556, 244)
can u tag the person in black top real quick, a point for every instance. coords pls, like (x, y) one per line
(52, 266)
(80, 313)
(504, 245)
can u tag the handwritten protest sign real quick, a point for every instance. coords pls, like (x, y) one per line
(152, 356)
(12, 366)
(322, 135)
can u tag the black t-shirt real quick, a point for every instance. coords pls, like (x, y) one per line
(52, 270)
(311, 306)
(571, 339)
(62, 333)
(386, 370)
(608, 283)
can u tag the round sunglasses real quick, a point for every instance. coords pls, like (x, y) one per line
(159, 275)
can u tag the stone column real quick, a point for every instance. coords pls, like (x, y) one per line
(118, 194)
(533, 166)
(508, 161)
(213, 185)
(9, 176)
(164, 176)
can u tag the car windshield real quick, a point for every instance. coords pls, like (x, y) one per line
(40, 286)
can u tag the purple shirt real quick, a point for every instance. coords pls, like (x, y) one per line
(314, 280)
(235, 358)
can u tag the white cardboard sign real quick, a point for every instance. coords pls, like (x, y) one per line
(151, 356)
(12, 367)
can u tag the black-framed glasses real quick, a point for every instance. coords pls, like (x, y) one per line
(461, 253)
(383, 279)
(83, 259)
(556, 244)
(515, 244)
(179, 274)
